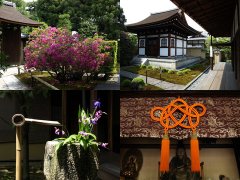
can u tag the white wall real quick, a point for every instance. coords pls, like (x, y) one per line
(172, 51)
(179, 51)
(163, 51)
(217, 161)
(141, 51)
(179, 43)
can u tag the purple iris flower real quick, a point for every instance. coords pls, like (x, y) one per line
(58, 131)
(83, 133)
(104, 145)
(96, 104)
(94, 121)
(97, 116)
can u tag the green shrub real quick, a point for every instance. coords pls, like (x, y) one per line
(170, 72)
(149, 67)
(164, 70)
(180, 73)
(143, 66)
(186, 70)
(126, 83)
(137, 83)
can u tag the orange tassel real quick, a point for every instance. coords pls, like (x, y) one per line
(195, 160)
(165, 154)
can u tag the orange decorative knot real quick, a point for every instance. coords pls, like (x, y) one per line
(190, 116)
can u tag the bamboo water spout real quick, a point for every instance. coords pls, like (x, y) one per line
(19, 120)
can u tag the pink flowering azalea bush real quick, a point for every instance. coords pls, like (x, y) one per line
(62, 54)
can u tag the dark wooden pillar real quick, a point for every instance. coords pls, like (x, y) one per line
(169, 47)
(238, 44)
(159, 45)
(175, 45)
(236, 145)
(182, 46)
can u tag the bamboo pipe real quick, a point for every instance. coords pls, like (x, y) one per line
(18, 120)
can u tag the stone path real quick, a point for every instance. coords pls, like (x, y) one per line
(222, 77)
(113, 83)
(155, 82)
(9, 82)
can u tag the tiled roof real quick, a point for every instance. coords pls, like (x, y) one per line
(11, 15)
(156, 17)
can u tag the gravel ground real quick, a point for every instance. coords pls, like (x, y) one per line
(194, 85)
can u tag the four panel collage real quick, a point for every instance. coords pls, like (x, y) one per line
(119, 90)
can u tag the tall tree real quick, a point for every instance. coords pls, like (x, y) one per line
(64, 21)
(21, 6)
(49, 11)
(105, 14)
(109, 17)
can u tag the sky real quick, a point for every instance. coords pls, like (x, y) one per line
(137, 10)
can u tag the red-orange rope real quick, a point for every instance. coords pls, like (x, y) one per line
(166, 116)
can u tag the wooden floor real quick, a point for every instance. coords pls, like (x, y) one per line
(220, 78)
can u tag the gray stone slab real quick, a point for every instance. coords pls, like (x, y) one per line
(113, 83)
(13, 83)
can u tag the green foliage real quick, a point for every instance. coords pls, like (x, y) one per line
(171, 72)
(31, 9)
(21, 6)
(137, 83)
(180, 73)
(126, 83)
(85, 137)
(48, 11)
(186, 70)
(64, 21)
(128, 47)
(1, 2)
(3, 62)
(149, 67)
(88, 28)
(143, 66)
(225, 50)
(164, 70)
(105, 16)
(29, 30)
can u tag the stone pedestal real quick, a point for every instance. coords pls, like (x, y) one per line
(69, 162)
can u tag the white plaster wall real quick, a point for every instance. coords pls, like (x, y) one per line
(184, 43)
(163, 35)
(179, 43)
(185, 51)
(163, 51)
(141, 51)
(172, 51)
(216, 161)
(179, 51)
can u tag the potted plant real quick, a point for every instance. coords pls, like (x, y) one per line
(75, 156)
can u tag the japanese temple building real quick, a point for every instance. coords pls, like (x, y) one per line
(11, 21)
(163, 34)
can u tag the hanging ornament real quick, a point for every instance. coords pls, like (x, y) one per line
(189, 119)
